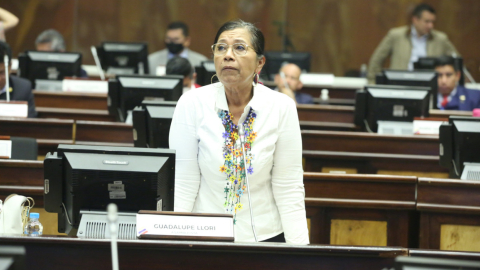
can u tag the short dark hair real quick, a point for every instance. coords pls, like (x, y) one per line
(258, 41)
(418, 10)
(178, 25)
(5, 49)
(52, 36)
(179, 66)
(447, 61)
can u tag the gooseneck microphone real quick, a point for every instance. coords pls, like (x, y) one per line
(7, 79)
(112, 217)
(241, 133)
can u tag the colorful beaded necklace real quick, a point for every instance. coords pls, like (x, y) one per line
(234, 167)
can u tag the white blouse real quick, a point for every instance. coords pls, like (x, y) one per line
(274, 163)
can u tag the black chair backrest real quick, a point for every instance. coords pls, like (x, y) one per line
(24, 148)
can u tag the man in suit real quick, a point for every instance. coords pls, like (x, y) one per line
(177, 41)
(451, 95)
(404, 45)
(20, 89)
(290, 84)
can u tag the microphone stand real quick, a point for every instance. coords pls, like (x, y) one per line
(112, 217)
(7, 79)
(241, 132)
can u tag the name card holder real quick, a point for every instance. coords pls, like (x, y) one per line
(5, 147)
(185, 226)
(85, 85)
(14, 109)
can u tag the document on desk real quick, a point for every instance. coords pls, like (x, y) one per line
(14, 109)
(85, 86)
(6, 148)
(317, 79)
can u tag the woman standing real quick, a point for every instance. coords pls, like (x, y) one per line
(211, 168)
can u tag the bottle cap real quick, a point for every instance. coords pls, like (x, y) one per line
(34, 215)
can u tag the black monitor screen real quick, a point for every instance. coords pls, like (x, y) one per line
(275, 60)
(54, 66)
(420, 263)
(90, 177)
(127, 92)
(151, 123)
(466, 143)
(124, 58)
(384, 103)
(205, 73)
(411, 78)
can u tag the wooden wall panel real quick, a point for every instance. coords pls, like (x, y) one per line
(340, 34)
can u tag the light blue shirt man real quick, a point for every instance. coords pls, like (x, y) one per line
(419, 47)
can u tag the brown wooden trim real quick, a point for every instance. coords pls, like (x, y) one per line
(360, 177)
(4, 157)
(352, 203)
(192, 238)
(446, 208)
(4, 138)
(14, 102)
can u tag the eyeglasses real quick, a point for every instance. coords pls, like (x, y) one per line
(239, 49)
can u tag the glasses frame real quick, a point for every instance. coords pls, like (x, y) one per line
(231, 46)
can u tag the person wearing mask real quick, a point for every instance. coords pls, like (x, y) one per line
(405, 44)
(20, 89)
(451, 95)
(181, 66)
(7, 22)
(51, 40)
(211, 124)
(288, 82)
(177, 41)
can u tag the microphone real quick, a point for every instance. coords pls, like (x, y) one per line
(7, 79)
(97, 62)
(241, 133)
(112, 217)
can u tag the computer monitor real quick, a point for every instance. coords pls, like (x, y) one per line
(12, 257)
(428, 63)
(46, 70)
(151, 123)
(126, 92)
(421, 263)
(426, 78)
(390, 103)
(275, 60)
(205, 72)
(81, 180)
(124, 58)
(459, 144)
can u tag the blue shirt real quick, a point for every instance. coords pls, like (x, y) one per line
(184, 54)
(303, 98)
(419, 47)
(440, 98)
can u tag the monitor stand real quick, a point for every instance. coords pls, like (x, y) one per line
(395, 128)
(471, 171)
(94, 224)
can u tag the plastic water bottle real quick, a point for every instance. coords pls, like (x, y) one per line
(33, 227)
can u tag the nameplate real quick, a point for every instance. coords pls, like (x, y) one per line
(185, 226)
(426, 127)
(14, 109)
(5, 148)
(85, 86)
(317, 79)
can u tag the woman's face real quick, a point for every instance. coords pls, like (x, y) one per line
(237, 70)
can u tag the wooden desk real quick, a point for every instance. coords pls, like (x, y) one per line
(361, 209)
(72, 253)
(372, 163)
(70, 100)
(361, 142)
(326, 113)
(75, 114)
(316, 125)
(37, 128)
(450, 210)
(105, 132)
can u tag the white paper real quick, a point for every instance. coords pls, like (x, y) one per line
(85, 86)
(426, 127)
(317, 79)
(175, 225)
(13, 109)
(161, 70)
(6, 148)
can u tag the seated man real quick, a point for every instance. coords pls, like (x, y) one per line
(181, 66)
(405, 44)
(177, 42)
(291, 83)
(20, 89)
(52, 41)
(452, 96)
